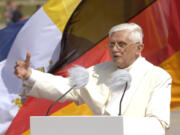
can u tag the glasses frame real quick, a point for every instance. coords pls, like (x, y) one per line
(120, 45)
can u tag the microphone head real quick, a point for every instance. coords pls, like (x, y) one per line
(118, 79)
(79, 77)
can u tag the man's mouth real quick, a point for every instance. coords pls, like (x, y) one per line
(117, 56)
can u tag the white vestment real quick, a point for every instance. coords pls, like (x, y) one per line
(147, 97)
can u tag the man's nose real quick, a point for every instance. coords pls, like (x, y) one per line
(116, 48)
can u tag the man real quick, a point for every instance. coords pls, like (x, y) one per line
(18, 15)
(10, 8)
(147, 96)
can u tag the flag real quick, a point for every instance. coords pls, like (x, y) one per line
(161, 40)
(7, 36)
(41, 36)
(172, 63)
(7, 109)
(89, 50)
(90, 23)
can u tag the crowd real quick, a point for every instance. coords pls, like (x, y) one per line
(14, 13)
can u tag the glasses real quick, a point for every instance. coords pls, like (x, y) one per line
(120, 45)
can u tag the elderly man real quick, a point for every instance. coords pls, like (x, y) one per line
(147, 96)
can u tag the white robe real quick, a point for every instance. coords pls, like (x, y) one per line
(147, 97)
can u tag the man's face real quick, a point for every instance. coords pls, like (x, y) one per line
(124, 51)
(12, 5)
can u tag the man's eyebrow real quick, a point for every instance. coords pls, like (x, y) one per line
(121, 42)
(117, 41)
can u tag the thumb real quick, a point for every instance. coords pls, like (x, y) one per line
(27, 61)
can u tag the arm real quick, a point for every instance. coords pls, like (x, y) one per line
(159, 104)
(51, 87)
(43, 85)
(157, 114)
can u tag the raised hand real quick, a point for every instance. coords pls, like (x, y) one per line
(22, 68)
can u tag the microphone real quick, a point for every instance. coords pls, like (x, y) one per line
(120, 103)
(120, 79)
(79, 77)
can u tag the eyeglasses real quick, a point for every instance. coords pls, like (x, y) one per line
(120, 44)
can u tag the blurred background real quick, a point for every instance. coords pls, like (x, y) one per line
(12, 11)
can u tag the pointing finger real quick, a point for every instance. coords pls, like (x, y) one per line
(28, 57)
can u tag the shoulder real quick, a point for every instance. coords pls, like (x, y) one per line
(156, 71)
(160, 76)
(160, 72)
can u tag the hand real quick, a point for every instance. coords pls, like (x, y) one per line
(22, 68)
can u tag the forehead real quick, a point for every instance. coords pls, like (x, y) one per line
(122, 35)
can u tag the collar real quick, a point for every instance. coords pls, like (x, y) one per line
(136, 62)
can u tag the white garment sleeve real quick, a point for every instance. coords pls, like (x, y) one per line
(28, 84)
(45, 85)
(159, 104)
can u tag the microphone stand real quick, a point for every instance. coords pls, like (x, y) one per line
(49, 108)
(122, 99)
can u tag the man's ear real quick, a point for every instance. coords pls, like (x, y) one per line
(140, 47)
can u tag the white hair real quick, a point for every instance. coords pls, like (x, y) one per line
(136, 31)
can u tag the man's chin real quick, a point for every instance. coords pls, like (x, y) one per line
(118, 63)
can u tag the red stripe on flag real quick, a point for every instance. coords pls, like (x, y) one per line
(160, 24)
(32, 107)
(99, 53)
(174, 25)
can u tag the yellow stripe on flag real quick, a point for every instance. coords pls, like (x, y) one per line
(74, 110)
(26, 132)
(70, 110)
(172, 66)
(175, 108)
(60, 11)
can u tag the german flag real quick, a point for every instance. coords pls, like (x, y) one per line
(85, 43)
(90, 23)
